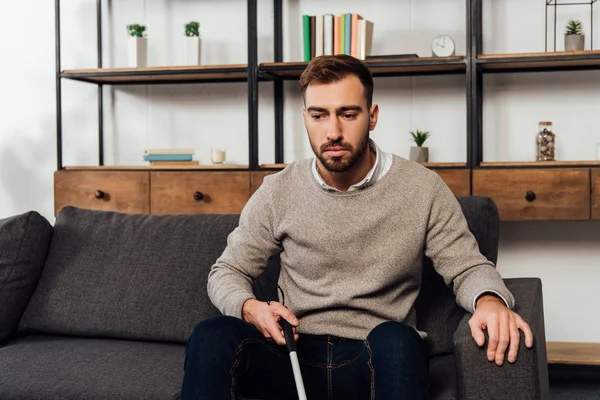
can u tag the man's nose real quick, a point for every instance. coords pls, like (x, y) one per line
(334, 132)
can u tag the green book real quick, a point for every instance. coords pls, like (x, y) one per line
(306, 36)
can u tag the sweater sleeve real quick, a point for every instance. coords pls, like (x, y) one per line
(455, 253)
(249, 247)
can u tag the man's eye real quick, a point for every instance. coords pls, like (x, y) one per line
(349, 116)
(316, 116)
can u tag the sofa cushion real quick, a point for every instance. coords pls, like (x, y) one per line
(53, 368)
(24, 242)
(437, 311)
(127, 276)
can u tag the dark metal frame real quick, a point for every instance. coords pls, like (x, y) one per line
(555, 4)
(251, 70)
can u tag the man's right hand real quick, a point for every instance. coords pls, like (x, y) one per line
(266, 316)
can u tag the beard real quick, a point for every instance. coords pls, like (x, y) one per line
(345, 162)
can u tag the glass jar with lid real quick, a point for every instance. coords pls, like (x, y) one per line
(546, 142)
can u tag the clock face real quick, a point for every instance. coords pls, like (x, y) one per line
(442, 46)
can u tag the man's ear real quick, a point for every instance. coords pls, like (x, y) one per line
(373, 116)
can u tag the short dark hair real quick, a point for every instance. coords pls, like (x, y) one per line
(329, 69)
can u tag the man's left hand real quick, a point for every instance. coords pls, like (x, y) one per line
(503, 326)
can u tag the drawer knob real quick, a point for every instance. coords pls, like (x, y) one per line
(99, 194)
(530, 195)
(198, 196)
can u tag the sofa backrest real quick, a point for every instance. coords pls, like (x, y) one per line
(116, 275)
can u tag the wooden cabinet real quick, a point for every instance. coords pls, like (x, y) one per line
(256, 179)
(536, 194)
(190, 192)
(458, 180)
(595, 189)
(122, 191)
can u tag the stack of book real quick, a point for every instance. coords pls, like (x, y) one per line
(328, 34)
(163, 157)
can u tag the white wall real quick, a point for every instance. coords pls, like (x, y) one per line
(200, 116)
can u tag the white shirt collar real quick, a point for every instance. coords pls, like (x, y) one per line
(371, 177)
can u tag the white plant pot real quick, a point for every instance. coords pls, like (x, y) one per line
(137, 52)
(192, 50)
(419, 154)
(574, 42)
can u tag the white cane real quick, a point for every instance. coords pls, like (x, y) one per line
(291, 346)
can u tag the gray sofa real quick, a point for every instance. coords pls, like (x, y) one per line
(100, 305)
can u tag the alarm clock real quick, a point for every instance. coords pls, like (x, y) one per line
(443, 46)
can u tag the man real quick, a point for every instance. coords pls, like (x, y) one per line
(350, 226)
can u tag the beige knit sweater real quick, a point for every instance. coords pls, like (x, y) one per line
(351, 260)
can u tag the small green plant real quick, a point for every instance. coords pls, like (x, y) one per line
(192, 28)
(574, 27)
(136, 30)
(420, 137)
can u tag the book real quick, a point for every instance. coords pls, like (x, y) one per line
(365, 38)
(306, 36)
(328, 34)
(168, 157)
(319, 39)
(354, 35)
(337, 21)
(348, 34)
(169, 151)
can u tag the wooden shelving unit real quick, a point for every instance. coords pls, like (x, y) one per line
(380, 67)
(573, 353)
(156, 75)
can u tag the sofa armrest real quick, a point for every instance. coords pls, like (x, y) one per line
(24, 243)
(527, 378)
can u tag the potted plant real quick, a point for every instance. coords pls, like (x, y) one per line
(192, 44)
(574, 37)
(137, 46)
(419, 153)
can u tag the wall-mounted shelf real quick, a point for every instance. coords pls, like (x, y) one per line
(535, 62)
(569, 353)
(540, 164)
(208, 167)
(156, 75)
(379, 67)
(428, 165)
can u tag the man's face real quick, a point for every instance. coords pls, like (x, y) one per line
(338, 122)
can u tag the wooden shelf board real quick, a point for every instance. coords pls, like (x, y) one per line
(166, 74)
(444, 164)
(573, 353)
(429, 165)
(540, 61)
(540, 163)
(384, 66)
(267, 166)
(158, 167)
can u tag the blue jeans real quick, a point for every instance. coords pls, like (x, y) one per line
(228, 357)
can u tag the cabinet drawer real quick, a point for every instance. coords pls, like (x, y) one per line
(534, 194)
(122, 191)
(256, 179)
(596, 193)
(198, 192)
(458, 180)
